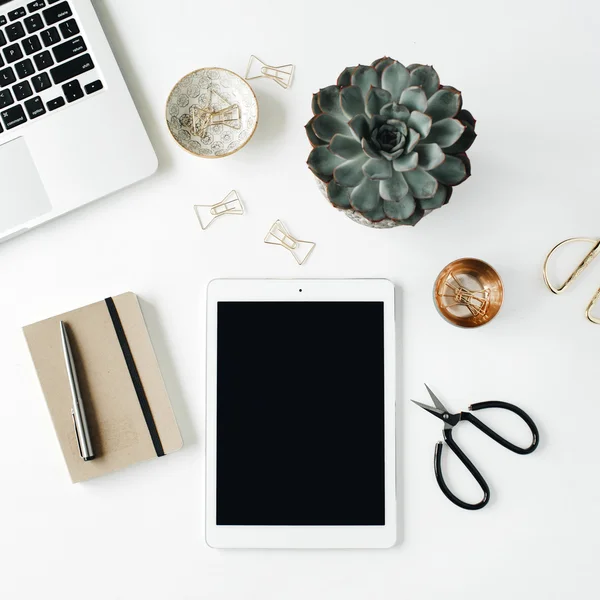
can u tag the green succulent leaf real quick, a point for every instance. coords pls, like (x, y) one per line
(345, 77)
(415, 218)
(381, 63)
(400, 209)
(360, 126)
(421, 183)
(394, 79)
(444, 104)
(445, 132)
(430, 156)
(440, 198)
(365, 196)
(376, 121)
(364, 78)
(345, 146)
(376, 214)
(326, 126)
(454, 170)
(420, 122)
(377, 169)
(315, 104)
(329, 100)
(414, 98)
(395, 153)
(323, 163)
(408, 162)
(411, 142)
(368, 149)
(465, 141)
(376, 99)
(352, 101)
(395, 110)
(349, 173)
(312, 136)
(466, 117)
(425, 77)
(394, 188)
(338, 196)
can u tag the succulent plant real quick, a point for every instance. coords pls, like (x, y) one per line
(389, 142)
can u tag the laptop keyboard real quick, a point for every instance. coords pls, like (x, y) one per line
(42, 57)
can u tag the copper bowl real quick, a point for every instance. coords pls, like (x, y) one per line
(468, 292)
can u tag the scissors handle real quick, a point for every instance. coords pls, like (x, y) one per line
(498, 438)
(437, 467)
(437, 463)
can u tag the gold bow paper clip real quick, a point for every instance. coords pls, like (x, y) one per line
(205, 117)
(230, 205)
(476, 301)
(282, 75)
(280, 236)
(588, 258)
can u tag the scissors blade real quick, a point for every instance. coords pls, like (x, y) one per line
(436, 401)
(436, 412)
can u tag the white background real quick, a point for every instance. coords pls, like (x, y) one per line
(529, 73)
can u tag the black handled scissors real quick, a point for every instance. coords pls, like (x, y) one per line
(450, 420)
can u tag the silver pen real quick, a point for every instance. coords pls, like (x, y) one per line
(82, 432)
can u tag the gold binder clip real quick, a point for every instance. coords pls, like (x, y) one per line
(230, 205)
(589, 257)
(280, 236)
(282, 75)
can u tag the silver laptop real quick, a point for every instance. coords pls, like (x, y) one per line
(69, 131)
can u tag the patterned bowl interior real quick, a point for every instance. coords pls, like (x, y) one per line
(212, 112)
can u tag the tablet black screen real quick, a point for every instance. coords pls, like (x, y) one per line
(300, 413)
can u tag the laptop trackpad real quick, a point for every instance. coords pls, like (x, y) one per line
(22, 193)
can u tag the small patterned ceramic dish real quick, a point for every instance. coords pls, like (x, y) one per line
(212, 112)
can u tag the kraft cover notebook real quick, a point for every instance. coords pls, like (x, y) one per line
(128, 410)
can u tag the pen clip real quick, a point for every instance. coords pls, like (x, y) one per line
(76, 433)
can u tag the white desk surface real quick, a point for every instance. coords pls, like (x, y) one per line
(528, 71)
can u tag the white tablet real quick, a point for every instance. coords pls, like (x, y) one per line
(300, 429)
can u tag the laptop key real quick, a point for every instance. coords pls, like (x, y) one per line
(12, 53)
(56, 103)
(69, 49)
(3, 20)
(50, 36)
(13, 15)
(41, 82)
(35, 107)
(72, 91)
(33, 23)
(15, 32)
(37, 5)
(43, 60)
(57, 13)
(71, 69)
(7, 76)
(22, 90)
(3, 41)
(95, 86)
(24, 68)
(6, 98)
(1, 61)
(13, 117)
(31, 45)
(69, 28)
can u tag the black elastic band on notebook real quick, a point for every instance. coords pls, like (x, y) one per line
(135, 376)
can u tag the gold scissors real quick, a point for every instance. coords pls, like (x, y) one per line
(589, 257)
